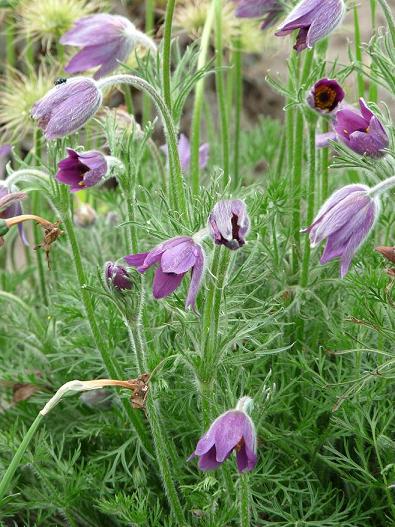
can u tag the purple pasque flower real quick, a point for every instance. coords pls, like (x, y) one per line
(175, 257)
(229, 223)
(10, 206)
(106, 40)
(361, 132)
(67, 107)
(269, 10)
(184, 151)
(345, 221)
(117, 276)
(81, 171)
(314, 19)
(231, 431)
(325, 96)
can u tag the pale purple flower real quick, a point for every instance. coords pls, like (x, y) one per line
(314, 19)
(269, 10)
(229, 223)
(81, 171)
(67, 107)
(184, 151)
(5, 150)
(325, 96)
(361, 131)
(106, 40)
(10, 206)
(345, 221)
(117, 276)
(174, 257)
(231, 431)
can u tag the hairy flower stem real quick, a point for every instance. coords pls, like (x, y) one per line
(110, 364)
(221, 95)
(358, 54)
(199, 97)
(39, 256)
(382, 187)
(149, 28)
(325, 165)
(16, 460)
(238, 82)
(176, 180)
(373, 88)
(166, 58)
(389, 18)
(10, 41)
(244, 500)
(297, 171)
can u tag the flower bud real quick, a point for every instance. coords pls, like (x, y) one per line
(85, 215)
(117, 277)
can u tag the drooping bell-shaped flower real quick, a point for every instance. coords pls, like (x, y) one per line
(267, 10)
(345, 221)
(67, 107)
(10, 206)
(106, 41)
(231, 431)
(315, 20)
(184, 151)
(174, 258)
(361, 131)
(229, 223)
(325, 96)
(117, 277)
(81, 171)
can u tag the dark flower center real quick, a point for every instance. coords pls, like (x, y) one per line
(240, 445)
(235, 242)
(325, 98)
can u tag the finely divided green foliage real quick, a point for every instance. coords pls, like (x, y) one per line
(323, 403)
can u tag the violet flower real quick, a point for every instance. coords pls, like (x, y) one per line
(106, 40)
(361, 132)
(233, 430)
(325, 96)
(229, 223)
(314, 19)
(117, 277)
(5, 150)
(184, 151)
(345, 221)
(67, 107)
(175, 257)
(10, 206)
(81, 171)
(269, 10)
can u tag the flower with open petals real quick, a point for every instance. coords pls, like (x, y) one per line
(267, 10)
(67, 107)
(10, 206)
(229, 223)
(361, 132)
(117, 277)
(315, 20)
(175, 257)
(106, 40)
(233, 430)
(184, 151)
(345, 221)
(81, 171)
(325, 96)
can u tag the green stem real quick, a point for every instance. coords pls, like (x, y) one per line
(325, 165)
(238, 82)
(166, 60)
(149, 27)
(199, 97)
(113, 369)
(16, 460)
(389, 19)
(244, 500)
(39, 255)
(373, 88)
(176, 180)
(221, 95)
(10, 41)
(358, 53)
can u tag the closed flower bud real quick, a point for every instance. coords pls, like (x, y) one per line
(10, 206)
(231, 431)
(85, 215)
(117, 277)
(315, 20)
(67, 107)
(325, 96)
(81, 171)
(229, 223)
(345, 221)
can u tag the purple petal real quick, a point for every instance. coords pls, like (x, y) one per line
(96, 29)
(196, 279)
(208, 461)
(229, 431)
(180, 258)
(165, 283)
(136, 260)
(5, 150)
(203, 155)
(184, 151)
(322, 140)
